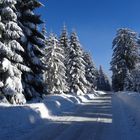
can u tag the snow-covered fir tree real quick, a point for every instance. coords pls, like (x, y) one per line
(44, 31)
(103, 82)
(124, 57)
(64, 40)
(34, 43)
(132, 80)
(76, 67)
(55, 75)
(128, 82)
(11, 53)
(91, 72)
(64, 44)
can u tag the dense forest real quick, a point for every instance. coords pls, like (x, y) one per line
(33, 63)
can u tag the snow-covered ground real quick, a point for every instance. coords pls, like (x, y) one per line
(60, 117)
(17, 121)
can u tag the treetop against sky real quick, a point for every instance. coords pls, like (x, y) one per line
(96, 22)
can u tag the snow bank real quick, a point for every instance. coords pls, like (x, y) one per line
(57, 104)
(98, 93)
(19, 120)
(131, 98)
(129, 94)
(90, 96)
(131, 102)
(83, 99)
(74, 99)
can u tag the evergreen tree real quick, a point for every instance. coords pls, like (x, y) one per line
(34, 43)
(91, 72)
(44, 31)
(128, 82)
(11, 53)
(124, 57)
(55, 74)
(103, 81)
(64, 41)
(76, 67)
(64, 44)
(132, 80)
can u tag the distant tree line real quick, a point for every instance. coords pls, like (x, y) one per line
(70, 69)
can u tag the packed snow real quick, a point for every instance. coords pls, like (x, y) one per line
(103, 117)
(20, 120)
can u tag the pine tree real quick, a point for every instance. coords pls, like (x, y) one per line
(11, 53)
(91, 72)
(34, 43)
(103, 81)
(76, 67)
(124, 57)
(55, 74)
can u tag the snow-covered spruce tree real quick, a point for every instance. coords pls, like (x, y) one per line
(91, 72)
(124, 57)
(64, 44)
(128, 82)
(64, 41)
(132, 80)
(44, 31)
(103, 81)
(56, 70)
(34, 44)
(11, 53)
(76, 67)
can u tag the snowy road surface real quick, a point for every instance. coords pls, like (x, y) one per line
(109, 117)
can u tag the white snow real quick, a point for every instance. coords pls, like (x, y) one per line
(18, 120)
(59, 117)
(100, 93)
(2, 27)
(15, 45)
(9, 13)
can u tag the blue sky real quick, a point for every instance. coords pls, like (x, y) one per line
(95, 21)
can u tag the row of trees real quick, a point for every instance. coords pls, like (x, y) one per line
(21, 66)
(125, 64)
(69, 68)
(32, 64)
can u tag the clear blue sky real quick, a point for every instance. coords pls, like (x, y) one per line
(95, 21)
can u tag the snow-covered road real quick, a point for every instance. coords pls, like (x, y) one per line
(108, 117)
